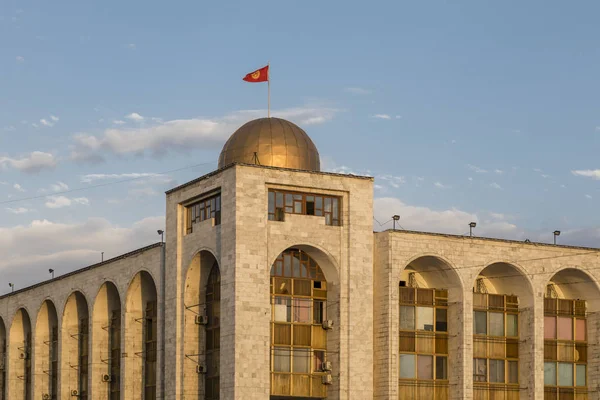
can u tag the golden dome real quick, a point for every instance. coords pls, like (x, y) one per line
(271, 141)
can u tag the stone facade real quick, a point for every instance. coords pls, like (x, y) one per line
(363, 270)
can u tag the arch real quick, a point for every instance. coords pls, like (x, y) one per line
(571, 306)
(195, 331)
(430, 302)
(328, 263)
(503, 331)
(3, 362)
(19, 352)
(303, 300)
(106, 347)
(46, 351)
(140, 342)
(504, 277)
(74, 353)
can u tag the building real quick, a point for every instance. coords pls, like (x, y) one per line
(272, 285)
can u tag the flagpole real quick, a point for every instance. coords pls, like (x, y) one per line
(269, 89)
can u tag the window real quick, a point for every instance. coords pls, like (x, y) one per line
(565, 347)
(282, 202)
(495, 345)
(298, 339)
(202, 210)
(423, 341)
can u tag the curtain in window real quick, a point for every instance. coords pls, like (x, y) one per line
(550, 374)
(425, 367)
(281, 359)
(407, 366)
(565, 374)
(497, 371)
(496, 324)
(480, 321)
(407, 318)
(512, 325)
(425, 318)
(565, 328)
(549, 327)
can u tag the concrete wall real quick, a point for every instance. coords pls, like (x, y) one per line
(509, 267)
(34, 302)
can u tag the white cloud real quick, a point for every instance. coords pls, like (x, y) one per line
(63, 201)
(470, 179)
(588, 196)
(537, 170)
(133, 175)
(357, 90)
(453, 221)
(35, 125)
(131, 46)
(588, 173)
(398, 116)
(66, 247)
(134, 117)
(45, 122)
(34, 162)
(495, 186)
(54, 118)
(59, 187)
(182, 135)
(499, 171)
(393, 181)
(440, 185)
(476, 169)
(118, 122)
(20, 59)
(18, 187)
(382, 116)
(19, 210)
(10, 128)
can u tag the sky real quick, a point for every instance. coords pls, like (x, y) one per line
(462, 111)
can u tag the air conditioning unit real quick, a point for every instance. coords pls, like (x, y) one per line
(326, 366)
(328, 324)
(23, 355)
(45, 396)
(75, 393)
(201, 369)
(106, 378)
(327, 379)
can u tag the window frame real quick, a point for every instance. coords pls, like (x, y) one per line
(209, 206)
(297, 204)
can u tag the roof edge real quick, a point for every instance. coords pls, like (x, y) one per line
(213, 173)
(80, 270)
(512, 241)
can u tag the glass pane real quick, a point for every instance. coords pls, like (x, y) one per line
(302, 310)
(328, 204)
(549, 327)
(425, 367)
(480, 322)
(334, 211)
(301, 360)
(513, 372)
(289, 200)
(497, 371)
(297, 207)
(441, 368)
(550, 374)
(319, 311)
(479, 370)
(441, 320)
(565, 374)
(281, 359)
(407, 366)
(425, 319)
(496, 324)
(580, 329)
(565, 328)
(319, 203)
(407, 318)
(296, 266)
(287, 265)
(282, 309)
(512, 325)
(271, 202)
(580, 375)
(318, 359)
(279, 200)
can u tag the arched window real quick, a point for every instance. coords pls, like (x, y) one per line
(298, 334)
(213, 333)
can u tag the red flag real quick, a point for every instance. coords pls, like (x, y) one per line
(260, 75)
